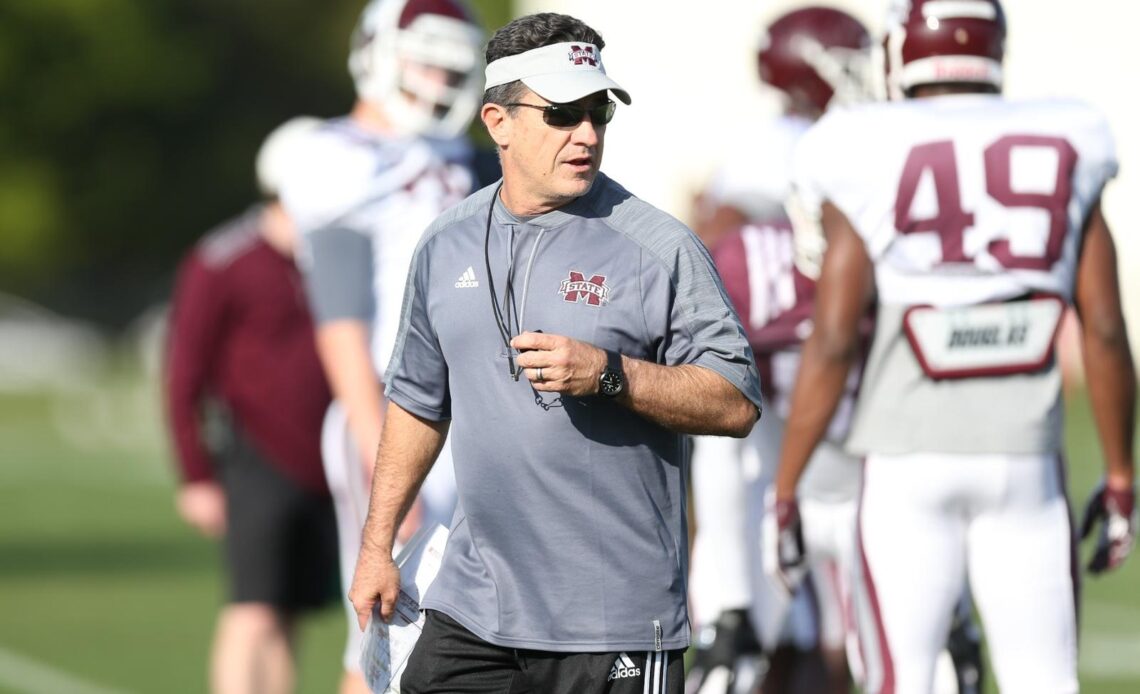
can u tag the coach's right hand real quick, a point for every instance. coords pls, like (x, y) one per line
(377, 580)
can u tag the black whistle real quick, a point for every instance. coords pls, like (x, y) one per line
(528, 348)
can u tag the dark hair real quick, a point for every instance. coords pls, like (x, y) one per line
(527, 33)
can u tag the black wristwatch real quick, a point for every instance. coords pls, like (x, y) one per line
(612, 381)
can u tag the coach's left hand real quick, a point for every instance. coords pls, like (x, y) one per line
(559, 364)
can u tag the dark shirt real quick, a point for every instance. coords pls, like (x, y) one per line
(240, 332)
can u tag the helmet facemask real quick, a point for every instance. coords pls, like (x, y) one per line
(845, 70)
(426, 76)
(817, 56)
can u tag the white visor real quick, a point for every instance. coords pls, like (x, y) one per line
(560, 73)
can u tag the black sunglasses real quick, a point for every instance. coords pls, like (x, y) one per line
(569, 115)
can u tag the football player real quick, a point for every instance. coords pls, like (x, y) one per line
(816, 57)
(973, 219)
(371, 184)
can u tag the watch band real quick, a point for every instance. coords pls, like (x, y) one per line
(611, 382)
(613, 361)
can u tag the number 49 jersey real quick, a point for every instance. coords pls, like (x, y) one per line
(962, 199)
(967, 205)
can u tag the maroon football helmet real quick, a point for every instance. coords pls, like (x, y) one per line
(943, 42)
(815, 55)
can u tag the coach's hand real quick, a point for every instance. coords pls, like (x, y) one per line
(782, 537)
(1115, 509)
(376, 581)
(203, 505)
(559, 364)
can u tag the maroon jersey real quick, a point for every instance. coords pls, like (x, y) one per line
(772, 297)
(240, 331)
(775, 302)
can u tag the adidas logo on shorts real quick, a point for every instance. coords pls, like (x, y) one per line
(623, 667)
(467, 279)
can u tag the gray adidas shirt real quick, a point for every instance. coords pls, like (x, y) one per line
(570, 533)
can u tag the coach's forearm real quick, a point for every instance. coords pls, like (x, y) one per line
(409, 446)
(688, 399)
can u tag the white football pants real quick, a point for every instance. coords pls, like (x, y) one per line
(729, 479)
(829, 546)
(927, 522)
(345, 478)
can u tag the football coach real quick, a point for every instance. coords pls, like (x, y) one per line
(569, 335)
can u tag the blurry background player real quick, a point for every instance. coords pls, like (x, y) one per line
(241, 338)
(371, 183)
(974, 219)
(816, 57)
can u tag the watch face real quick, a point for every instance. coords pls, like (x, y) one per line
(611, 382)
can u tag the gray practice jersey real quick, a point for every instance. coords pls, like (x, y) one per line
(570, 533)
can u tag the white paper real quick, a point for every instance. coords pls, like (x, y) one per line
(387, 646)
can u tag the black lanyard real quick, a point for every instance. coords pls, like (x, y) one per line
(502, 316)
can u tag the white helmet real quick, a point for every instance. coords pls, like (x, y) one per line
(280, 152)
(395, 47)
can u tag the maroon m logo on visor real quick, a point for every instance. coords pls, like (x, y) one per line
(583, 54)
(593, 290)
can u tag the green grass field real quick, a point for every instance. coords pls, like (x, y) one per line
(102, 589)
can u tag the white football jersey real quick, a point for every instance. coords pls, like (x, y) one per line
(756, 177)
(961, 200)
(385, 189)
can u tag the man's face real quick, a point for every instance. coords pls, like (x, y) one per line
(547, 166)
(426, 87)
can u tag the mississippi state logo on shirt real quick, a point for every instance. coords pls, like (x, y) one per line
(578, 288)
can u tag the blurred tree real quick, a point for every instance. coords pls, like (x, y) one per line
(128, 127)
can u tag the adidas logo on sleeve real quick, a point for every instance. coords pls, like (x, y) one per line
(623, 667)
(467, 279)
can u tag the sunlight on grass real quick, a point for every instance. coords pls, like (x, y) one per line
(100, 580)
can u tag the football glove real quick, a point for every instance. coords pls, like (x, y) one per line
(783, 539)
(728, 656)
(1115, 509)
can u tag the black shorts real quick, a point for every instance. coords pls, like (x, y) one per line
(280, 537)
(449, 659)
